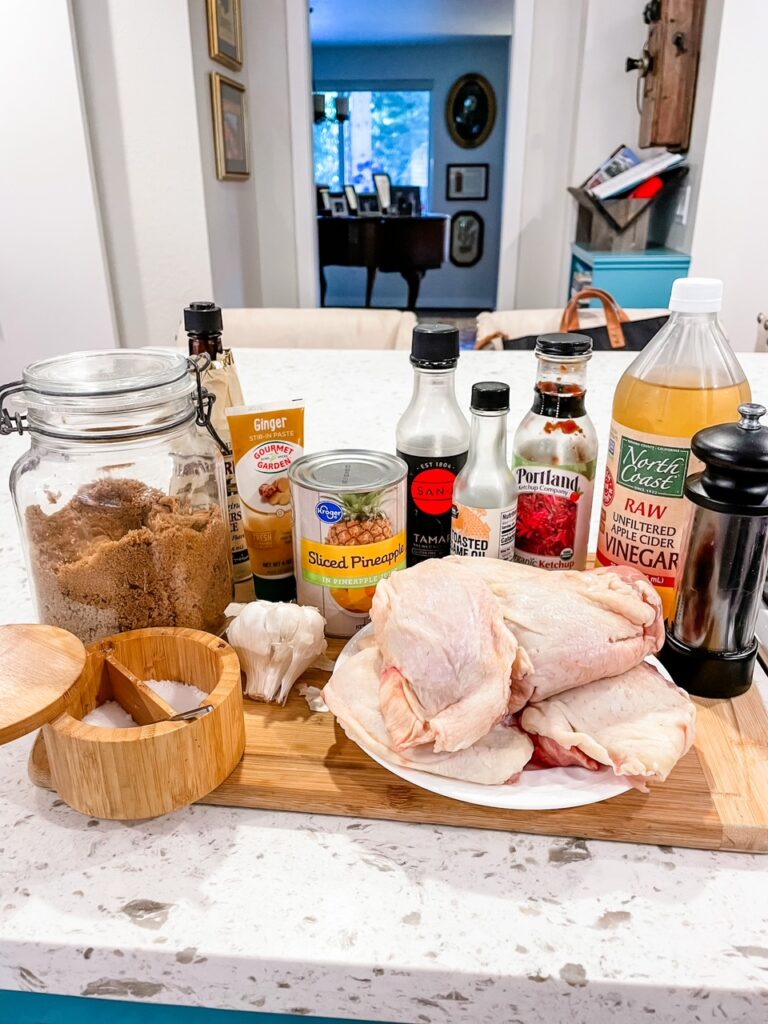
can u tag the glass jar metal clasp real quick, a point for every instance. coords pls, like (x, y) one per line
(204, 400)
(11, 422)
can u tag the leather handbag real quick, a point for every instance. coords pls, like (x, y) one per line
(619, 333)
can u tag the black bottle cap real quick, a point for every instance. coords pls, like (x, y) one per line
(490, 396)
(435, 345)
(202, 318)
(270, 588)
(563, 346)
(735, 457)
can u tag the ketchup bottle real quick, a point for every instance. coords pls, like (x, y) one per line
(555, 456)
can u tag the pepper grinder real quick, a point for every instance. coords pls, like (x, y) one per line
(710, 648)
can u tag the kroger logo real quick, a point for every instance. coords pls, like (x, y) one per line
(328, 511)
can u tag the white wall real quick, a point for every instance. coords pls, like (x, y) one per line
(580, 106)
(231, 207)
(278, 73)
(139, 86)
(680, 236)
(54, 286)
(547, 152)
(732, 215)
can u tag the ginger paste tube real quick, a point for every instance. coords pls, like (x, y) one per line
(266, 439)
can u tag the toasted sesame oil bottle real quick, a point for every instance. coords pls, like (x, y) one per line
(485, 494)
(687, 378)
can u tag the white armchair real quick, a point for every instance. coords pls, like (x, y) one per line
(315, 328)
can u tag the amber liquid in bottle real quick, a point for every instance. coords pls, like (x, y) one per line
(686, 379)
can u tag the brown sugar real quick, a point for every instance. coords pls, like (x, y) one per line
(122, 555)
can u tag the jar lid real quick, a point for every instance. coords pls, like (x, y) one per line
(347, 470)
(110, 372)
(39, 670)
(562, 345)
(735, 457)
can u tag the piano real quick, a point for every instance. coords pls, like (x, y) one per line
(409, 246)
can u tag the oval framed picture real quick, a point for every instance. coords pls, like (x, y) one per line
(470, 112)
(467, 230)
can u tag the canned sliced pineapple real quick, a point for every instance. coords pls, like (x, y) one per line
(349, 531)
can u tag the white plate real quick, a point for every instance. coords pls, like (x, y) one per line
(548, 789)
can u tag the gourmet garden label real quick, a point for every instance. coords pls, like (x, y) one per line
(644, 514)
(553, 511)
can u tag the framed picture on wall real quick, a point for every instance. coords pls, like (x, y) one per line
(230, 128)
(466, 181)
(225, 32)
(467, 231)
(470, 112)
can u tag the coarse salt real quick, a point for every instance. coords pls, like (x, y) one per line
(110, 715)
(181, 696)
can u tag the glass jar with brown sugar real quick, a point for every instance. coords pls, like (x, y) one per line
(121, 497)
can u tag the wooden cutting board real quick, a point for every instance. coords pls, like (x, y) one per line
(298, 760)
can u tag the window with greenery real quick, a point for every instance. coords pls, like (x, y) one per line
(387, 131)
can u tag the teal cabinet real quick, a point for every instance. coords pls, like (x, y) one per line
(31, 1008)
(637, 280)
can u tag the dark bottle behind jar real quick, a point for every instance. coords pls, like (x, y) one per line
(433, 440)
(555, 454)
(203, 324)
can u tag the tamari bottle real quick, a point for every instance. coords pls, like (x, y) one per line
(687, 378)
(432, 439)
(485, 494)
(555, 454)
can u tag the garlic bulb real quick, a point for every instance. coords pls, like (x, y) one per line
(275, 643)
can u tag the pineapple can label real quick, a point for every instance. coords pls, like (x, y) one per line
(553, 512)
(347, 540)
(483, 532)
(644, 513)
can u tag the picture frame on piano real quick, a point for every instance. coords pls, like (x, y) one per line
(383, 186)
(368, 204)
(351, 194)
(406, 200)
(323, 194)
(339, 206)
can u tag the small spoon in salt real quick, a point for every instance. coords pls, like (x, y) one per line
(188, 716)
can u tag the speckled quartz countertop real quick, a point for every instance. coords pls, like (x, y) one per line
(312, 915)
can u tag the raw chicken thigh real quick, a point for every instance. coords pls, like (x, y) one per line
(574, 627)
(447, 656)
(352, 694)
(638, 723)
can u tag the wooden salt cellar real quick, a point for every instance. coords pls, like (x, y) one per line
(47, 678)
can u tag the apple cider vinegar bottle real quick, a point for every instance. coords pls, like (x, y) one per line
(686, 378)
